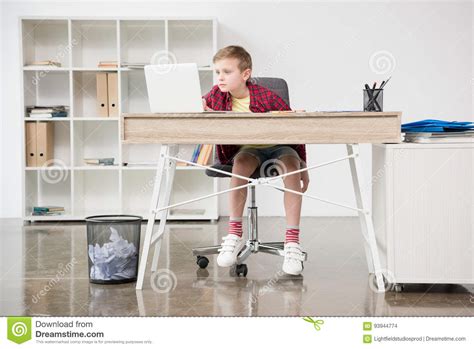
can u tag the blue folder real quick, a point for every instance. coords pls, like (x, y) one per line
(432, 125)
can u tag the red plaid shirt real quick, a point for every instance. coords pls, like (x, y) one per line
(261, 100)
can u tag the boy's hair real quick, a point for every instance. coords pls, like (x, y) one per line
(245, 60)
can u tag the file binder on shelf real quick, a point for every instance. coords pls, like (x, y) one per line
(102, 92)
(39, 143)
(30, 145)
(112, 88)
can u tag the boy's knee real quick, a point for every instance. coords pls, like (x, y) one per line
(290, 163)
(244, 164)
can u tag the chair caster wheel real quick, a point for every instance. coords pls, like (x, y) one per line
(398, 288)
(241, 270)
(202, 262)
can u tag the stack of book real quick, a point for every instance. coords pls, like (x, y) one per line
(99, 161)
(439, 131)
(56, 111)
(47, 63)
(107, 64)
(201, 154)
(48, 210)
(134, 65)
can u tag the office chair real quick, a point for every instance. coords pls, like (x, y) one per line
(252, 245)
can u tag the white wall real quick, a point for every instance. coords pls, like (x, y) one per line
(323, 50)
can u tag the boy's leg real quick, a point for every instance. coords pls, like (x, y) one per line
(292, 201)
(293, 262)
(244, 165)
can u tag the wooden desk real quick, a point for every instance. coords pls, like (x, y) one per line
(262, 128)
(172, 129)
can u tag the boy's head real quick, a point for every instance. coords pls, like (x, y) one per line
(233, 65)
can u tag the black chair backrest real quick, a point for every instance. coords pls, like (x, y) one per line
(277, 85)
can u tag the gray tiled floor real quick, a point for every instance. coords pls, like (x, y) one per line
(44, 272)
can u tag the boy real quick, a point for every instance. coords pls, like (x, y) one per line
(235, 91)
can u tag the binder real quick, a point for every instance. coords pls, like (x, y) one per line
(44, 142)
(102, 100)
(112, 86)
(30, 146)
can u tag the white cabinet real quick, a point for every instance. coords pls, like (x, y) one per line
(423, 211)
(79, 44)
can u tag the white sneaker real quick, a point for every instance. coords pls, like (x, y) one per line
(294, 258)
(231, 247)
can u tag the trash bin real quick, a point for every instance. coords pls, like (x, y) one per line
(113, 245)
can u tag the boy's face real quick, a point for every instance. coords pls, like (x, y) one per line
(229, 76)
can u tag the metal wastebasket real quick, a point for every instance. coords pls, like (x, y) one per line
(113, 247)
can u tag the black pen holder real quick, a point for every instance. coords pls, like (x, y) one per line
(373, 100)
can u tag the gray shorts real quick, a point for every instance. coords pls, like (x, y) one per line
(272, 153)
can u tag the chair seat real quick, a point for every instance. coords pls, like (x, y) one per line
(268, 171)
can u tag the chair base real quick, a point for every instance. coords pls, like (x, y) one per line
(252, 245)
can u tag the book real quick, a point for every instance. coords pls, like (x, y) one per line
(48, 208)
(196, 153)
(99, 161)
(134, 65)
(45, 63)
(107, 64)
(54, 111)
(208, 154)
(36, 213)
(202, 154)
(466, 136)
(48, 115)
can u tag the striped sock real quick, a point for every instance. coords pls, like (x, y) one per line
(292, 234)
(235, 226)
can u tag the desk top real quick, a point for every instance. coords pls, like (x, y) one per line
(262, 128)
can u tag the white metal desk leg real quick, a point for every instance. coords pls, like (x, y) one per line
(158, 190)
(365, 217)
(170, 171)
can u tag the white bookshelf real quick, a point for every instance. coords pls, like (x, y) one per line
(79, 44)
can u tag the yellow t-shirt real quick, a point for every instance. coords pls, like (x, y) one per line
(243, 105)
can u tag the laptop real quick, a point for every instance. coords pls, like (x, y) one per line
(174, 88)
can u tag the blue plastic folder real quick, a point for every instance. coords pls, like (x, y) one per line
(431, 125)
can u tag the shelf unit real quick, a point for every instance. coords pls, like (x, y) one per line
(79, 44)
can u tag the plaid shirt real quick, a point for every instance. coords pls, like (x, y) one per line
(261, 100)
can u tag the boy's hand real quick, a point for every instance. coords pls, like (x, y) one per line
(204, 104)
(305, 180)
